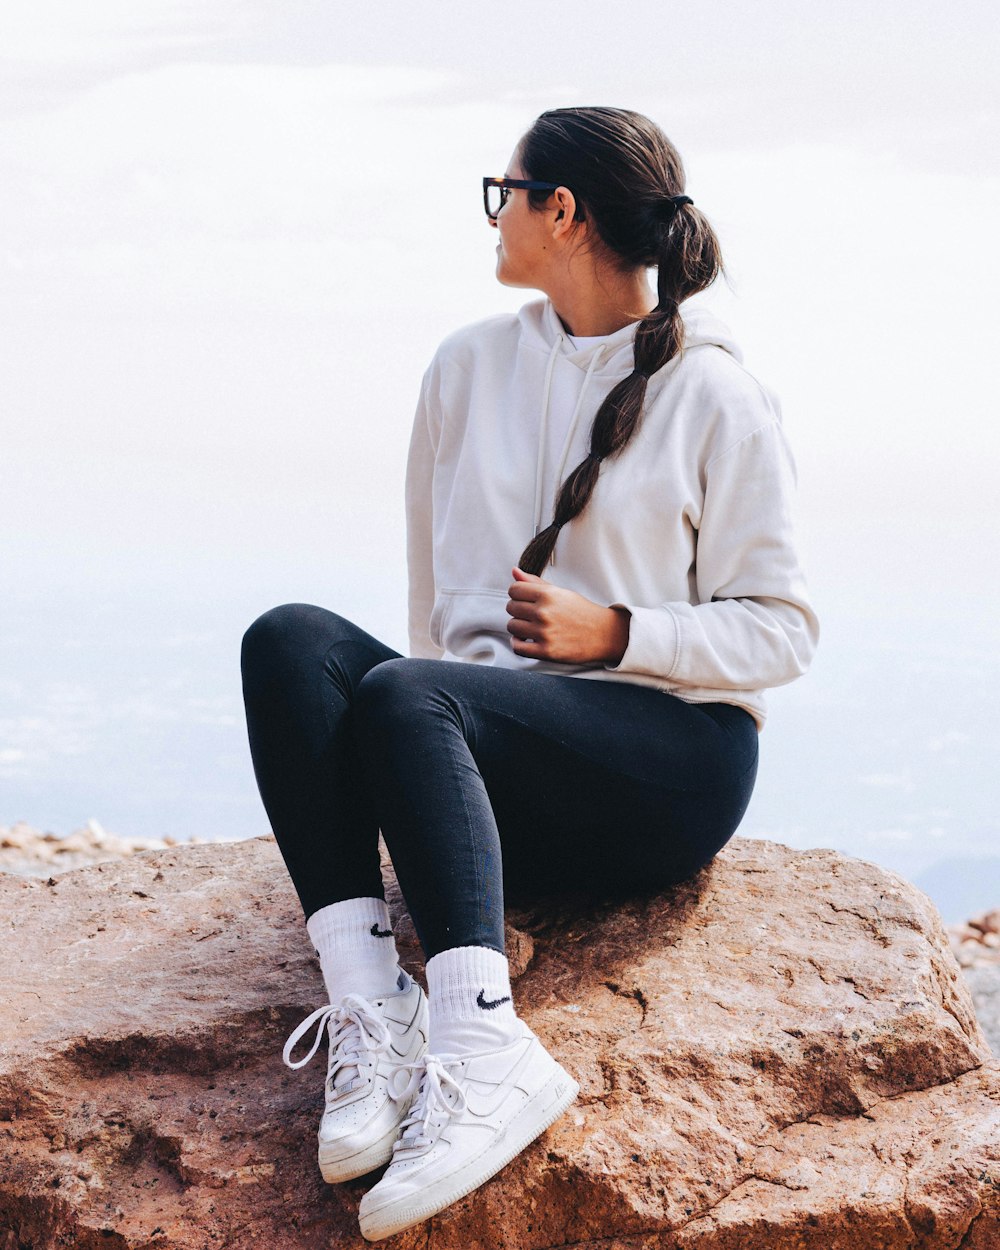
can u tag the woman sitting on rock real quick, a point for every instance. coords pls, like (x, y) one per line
(586, 720)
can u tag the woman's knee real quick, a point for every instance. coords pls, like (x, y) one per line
(281, 634)
(394, 693)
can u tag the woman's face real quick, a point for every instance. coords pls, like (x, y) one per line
(524, 253)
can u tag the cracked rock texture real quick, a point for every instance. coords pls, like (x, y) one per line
(779, 1053)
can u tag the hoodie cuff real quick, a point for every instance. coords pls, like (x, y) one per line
(654, 642)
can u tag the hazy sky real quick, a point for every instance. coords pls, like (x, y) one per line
(231, 236)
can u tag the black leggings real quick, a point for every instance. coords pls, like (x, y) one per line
(480, 778)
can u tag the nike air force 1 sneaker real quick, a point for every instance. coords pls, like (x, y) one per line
(369, 1042)
(470, 1116)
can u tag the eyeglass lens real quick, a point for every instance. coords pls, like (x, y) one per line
(495, 197)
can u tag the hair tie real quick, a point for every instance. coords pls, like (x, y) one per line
(668, 206)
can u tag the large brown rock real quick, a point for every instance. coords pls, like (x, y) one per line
(779, 1053)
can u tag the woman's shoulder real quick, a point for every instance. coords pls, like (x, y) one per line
(724, 401)
(724, 378)
(712, 354)
(490, 336)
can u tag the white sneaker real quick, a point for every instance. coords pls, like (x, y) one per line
(470, 1117)
(369, 1041)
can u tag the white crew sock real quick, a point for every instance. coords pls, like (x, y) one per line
(356, 949)
(470, 1002)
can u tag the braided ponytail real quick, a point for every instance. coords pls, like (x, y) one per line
(628, 177)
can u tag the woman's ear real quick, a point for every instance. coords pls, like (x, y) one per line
(564, 202)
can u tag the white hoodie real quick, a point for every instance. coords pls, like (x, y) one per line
(689, 528)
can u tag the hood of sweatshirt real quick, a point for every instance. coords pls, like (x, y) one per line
(612, 358)
(541, 328)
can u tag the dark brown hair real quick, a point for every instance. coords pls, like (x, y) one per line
(623, 171)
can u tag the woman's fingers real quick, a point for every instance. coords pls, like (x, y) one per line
(522, 629)
(526, 591)
(525, 611)
(526, 585)
(531, 650)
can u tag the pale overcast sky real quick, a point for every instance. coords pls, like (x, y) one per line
(231, 236)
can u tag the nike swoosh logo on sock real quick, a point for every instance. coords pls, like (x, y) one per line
(481, 1001)
(375, 931)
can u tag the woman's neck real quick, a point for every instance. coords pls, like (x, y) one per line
(601, 302)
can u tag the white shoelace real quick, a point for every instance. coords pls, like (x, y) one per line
(355, 1033)
(431, 1081)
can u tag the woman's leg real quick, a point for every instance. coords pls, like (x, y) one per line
(301, 668)
(481, 774)
(570, 782)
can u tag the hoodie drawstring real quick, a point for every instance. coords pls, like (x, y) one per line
(570, 434)
(543, 426)
(574, 420)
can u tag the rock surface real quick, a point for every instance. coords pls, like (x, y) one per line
(781, 1052)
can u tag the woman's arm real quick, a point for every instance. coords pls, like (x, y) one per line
(753, 626)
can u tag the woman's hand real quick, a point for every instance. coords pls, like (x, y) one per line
(551, 623)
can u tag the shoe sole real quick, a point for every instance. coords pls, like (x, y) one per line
(336, 1170)
(555, 1096)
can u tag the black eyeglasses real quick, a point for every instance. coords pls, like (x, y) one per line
(496, 191)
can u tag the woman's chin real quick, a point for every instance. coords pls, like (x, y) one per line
(504, 275)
